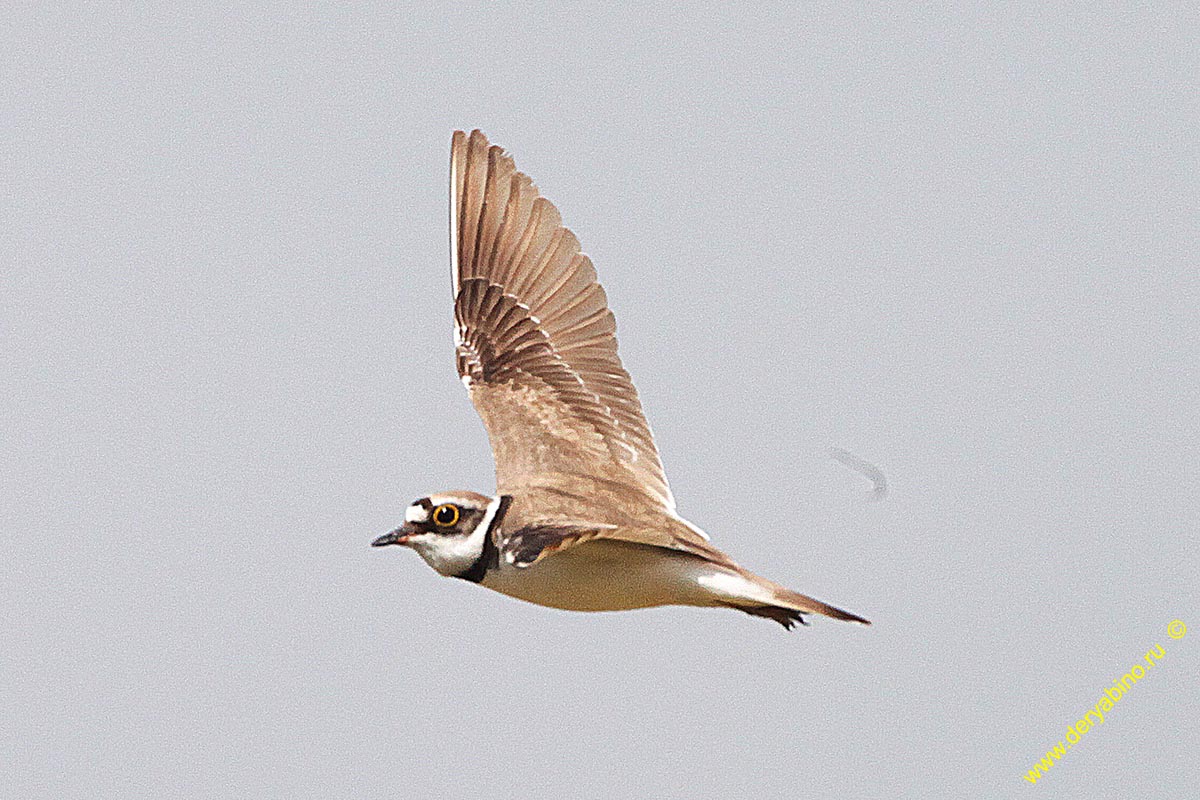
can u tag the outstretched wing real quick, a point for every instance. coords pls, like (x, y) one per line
(536, 343)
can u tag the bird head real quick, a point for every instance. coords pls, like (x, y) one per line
(447, 529)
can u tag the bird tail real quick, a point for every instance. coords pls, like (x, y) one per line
(785, 606)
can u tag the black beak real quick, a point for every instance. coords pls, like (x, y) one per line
(398, 536)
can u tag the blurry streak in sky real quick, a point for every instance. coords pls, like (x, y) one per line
(868, 470)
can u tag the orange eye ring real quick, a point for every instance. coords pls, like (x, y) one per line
(445, 515)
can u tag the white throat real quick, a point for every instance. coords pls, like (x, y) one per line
(453, 554)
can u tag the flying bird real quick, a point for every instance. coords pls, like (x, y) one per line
(582, 518)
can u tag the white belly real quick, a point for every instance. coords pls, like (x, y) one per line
(607, 576)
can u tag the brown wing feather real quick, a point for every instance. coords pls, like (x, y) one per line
(536, 340)
(581, 508)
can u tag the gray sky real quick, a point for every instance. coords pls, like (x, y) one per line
(962, 246)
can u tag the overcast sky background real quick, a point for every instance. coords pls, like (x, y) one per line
(960, 244)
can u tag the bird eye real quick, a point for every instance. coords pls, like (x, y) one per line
(445, 515)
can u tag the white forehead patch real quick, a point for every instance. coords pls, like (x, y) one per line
(416, 513)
